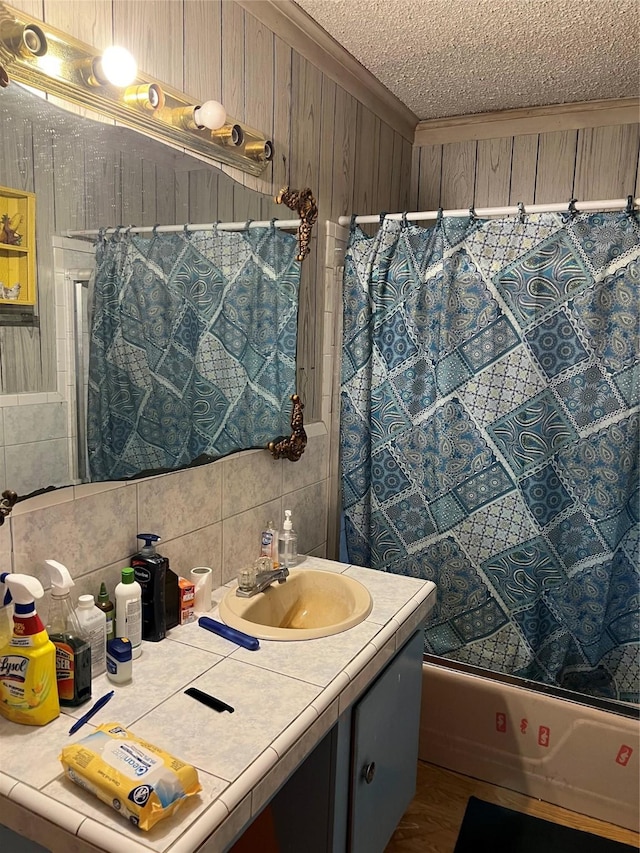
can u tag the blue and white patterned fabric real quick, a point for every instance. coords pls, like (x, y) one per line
(489, 436)
(193, 347)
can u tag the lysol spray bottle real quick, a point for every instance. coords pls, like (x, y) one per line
(6, 623)
(28, 690)
(73, 650)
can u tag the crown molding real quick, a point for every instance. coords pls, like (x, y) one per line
(531, 120)
(294, 26)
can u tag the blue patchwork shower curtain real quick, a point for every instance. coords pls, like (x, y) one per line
(489, 436)
(193, 347)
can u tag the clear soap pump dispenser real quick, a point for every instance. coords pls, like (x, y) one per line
(287, 543)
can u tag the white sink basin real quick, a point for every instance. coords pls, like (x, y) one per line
(308, 605)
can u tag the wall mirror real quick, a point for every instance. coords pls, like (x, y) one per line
(86, 174)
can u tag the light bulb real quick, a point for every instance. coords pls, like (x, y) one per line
(118, 66)
(51, 65)
(211, 115)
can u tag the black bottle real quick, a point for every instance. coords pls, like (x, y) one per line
(171, 599)
(150, 569)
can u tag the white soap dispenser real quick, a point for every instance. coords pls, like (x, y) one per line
(287, 543)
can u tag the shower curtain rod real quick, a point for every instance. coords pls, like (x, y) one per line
(209, 226)
(513, 210)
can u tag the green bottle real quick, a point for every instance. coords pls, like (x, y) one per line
(106, 605)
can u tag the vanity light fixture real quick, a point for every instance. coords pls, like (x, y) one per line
(37, 55)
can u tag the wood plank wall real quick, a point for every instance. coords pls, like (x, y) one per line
(324, 138)
(587, 164)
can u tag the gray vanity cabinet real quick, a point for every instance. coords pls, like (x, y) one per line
(350, 793)
(11, 842)
(385, 727)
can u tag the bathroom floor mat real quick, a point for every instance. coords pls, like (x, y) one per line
(486, 826)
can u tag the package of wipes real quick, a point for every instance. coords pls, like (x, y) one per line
(140, 781)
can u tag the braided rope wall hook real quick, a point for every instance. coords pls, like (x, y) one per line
(303, 202)
(9, 498)
(291, 447)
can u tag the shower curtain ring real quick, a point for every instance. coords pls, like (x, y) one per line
(382, 216)
(521, 211)
(352, 222)
(247, 224)
(185, 229)
(572, 207)
(630, 209)
(441, 214)
(404, 221)
(154, 232)
(472, 214)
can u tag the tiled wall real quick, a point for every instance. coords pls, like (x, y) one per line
(211, 515)
(33, 438)
(38, 443)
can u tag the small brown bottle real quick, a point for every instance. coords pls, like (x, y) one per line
(106, 605)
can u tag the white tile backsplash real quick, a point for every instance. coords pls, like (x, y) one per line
(24, 464)
(84, 534)
(250, 479)
(209, 515)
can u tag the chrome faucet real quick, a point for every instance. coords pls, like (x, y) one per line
(259, 577)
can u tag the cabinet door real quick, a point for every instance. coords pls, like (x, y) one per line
(11, 842)
(386, 725)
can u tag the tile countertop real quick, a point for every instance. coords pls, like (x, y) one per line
(286, 696)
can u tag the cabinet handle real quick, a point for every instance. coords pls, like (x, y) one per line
(369, 771)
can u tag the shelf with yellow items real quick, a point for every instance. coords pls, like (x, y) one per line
(17, 247)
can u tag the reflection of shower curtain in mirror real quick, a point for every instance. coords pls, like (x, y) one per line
(489, 436)
(193, 347)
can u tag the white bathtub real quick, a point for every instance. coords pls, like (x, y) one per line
(574, 755)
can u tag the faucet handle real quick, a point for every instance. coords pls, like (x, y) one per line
(247, 578)
(263, 564)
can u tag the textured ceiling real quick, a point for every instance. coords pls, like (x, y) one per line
(458, 57)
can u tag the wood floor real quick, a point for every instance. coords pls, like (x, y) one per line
(432, 821)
